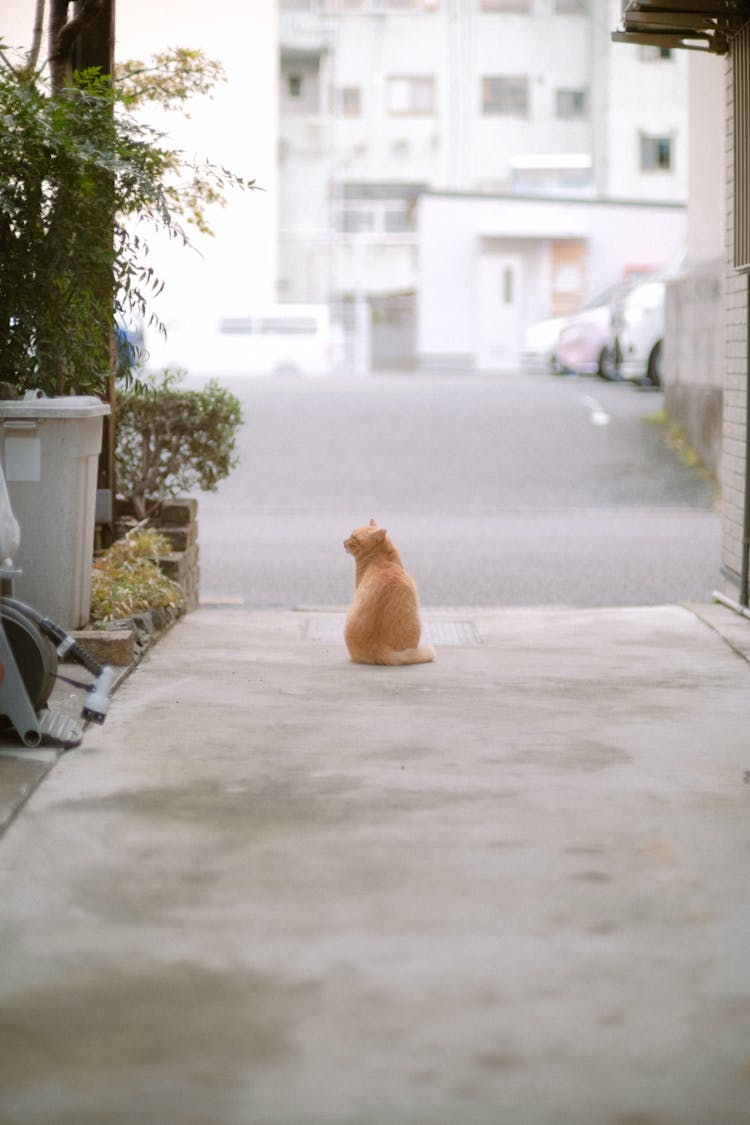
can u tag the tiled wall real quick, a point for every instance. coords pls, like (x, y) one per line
(735, 382)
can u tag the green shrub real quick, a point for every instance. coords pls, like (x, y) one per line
(127, 579)
(77, 164)
(171, 441)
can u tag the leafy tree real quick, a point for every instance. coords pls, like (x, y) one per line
(77, 163)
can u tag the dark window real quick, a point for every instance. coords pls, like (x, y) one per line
(656, 154)
(570, 103)
(505, 97)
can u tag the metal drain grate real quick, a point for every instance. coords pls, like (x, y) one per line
(450, 633)
(329, 629)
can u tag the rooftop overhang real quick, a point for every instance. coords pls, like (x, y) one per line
(695, 25)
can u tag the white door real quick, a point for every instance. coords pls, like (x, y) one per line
(499, 311)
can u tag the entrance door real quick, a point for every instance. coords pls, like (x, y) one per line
(499, 311)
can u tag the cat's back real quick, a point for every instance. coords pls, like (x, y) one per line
(384, 615)
(383, 624)
(384, 577)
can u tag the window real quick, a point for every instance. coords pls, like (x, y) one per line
(356, 220)
(506, 5)
(378, 209)
(505, 97)
(656, 154)
(648, 52)
(349, 101)
(407, 95)
(570, 103)
(366, 6)
(299, 83)
(268, 326)
(398, 219)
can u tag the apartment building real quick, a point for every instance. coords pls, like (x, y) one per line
(383, 103)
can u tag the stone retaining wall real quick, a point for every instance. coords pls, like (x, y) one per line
(178, 522)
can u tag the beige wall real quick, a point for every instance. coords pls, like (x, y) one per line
(695, 338)
(706, 161)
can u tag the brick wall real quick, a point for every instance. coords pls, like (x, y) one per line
(735, 381)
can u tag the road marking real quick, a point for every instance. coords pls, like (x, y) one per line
(597, 414)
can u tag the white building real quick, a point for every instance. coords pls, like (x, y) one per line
(382, 100)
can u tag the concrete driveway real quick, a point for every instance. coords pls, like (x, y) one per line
(509, 888)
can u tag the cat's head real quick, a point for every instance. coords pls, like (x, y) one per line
(365, 539)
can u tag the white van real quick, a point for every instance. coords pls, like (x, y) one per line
(277, 340)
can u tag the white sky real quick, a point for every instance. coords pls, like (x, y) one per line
(237, 128)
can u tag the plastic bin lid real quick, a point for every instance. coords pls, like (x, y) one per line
(65, 406)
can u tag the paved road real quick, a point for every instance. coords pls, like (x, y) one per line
(512, 490)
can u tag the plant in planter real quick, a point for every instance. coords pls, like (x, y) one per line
(171, 440)
(127, 579)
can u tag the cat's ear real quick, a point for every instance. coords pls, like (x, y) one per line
(380, 535)
(372, 522)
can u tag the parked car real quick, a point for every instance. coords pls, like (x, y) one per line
(639, 332)
(586, 344)
(539, 342)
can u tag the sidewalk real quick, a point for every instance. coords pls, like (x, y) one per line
(507, 888)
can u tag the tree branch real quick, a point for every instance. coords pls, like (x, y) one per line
(36, 40)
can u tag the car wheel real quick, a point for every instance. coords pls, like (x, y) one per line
(607, 368)
(653, 371)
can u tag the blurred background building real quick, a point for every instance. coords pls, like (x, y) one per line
(448, 168)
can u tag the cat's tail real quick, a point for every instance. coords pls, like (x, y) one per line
(421, 655)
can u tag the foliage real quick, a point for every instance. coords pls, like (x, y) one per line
(675, 438)
(127, 579)
(81, 179)
(170, 440)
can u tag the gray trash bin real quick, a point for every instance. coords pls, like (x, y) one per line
(50, 456)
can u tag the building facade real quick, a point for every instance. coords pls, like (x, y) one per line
(384, 100)
(723, 30)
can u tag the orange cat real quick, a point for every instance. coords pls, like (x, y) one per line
(382, 625)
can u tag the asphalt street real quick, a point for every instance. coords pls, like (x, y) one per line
(520, 489)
